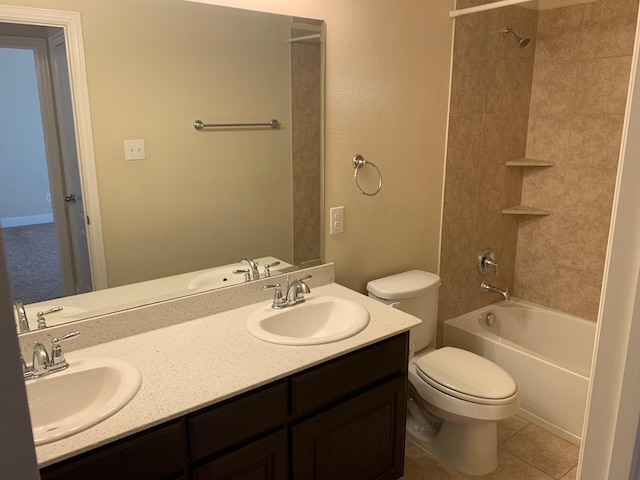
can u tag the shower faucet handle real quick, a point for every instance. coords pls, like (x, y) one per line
(487, 262)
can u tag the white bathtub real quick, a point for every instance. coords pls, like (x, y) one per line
(547, 352)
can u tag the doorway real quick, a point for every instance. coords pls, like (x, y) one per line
(43, 219)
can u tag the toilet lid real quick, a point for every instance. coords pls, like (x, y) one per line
(466, 375)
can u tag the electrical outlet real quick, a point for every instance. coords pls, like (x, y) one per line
(337, 220)
(134, 150)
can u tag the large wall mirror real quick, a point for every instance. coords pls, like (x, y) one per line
(198, 199)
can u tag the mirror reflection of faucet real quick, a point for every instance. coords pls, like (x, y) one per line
(252, 273)
(23, 322)
(42, 323)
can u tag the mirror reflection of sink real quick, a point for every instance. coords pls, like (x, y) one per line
(224, 276)
(221, 277)
(89, 391)
(322, 319)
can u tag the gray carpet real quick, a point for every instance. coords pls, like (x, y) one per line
(34, 267)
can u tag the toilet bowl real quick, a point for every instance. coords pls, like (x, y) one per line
(456, 397)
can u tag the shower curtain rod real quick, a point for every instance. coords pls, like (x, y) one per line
(486, 6)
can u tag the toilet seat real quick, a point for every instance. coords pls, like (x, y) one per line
(466, 376)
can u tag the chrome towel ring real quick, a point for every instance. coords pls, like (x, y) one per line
(358, 162)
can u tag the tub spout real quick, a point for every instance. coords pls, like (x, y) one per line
(486, 288)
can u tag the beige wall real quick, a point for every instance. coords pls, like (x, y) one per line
(580, 82)
(387, 98)
(387, 95)
(200, 198)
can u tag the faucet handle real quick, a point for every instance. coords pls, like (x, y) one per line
(42, 323)
(278, 300)
(27, 372)
(267, 268)
(487, 261)
(58, 362)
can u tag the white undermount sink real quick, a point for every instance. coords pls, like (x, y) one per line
(322, 319)
(86, 393)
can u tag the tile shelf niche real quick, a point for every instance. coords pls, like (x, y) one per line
(529, 162)
(522, 209)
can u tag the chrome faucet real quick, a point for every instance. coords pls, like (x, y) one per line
(42, 322)
(296, 290)
(42, 363)
(23, 322)
(267, 268)
(295, 293)
(486, 288)
(253, 265)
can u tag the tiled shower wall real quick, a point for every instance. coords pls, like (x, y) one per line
(579, 94)
(489, 110)
(306, 137)
(567, 108)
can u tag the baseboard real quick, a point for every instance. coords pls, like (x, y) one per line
(26, 220)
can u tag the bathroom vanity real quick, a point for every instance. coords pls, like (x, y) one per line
(342, 419)
(217, 403)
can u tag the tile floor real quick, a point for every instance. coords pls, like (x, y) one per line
(525, 452)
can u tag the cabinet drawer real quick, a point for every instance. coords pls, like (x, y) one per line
(155, 455)
(238, 421)
(347, 375)
(264, 459)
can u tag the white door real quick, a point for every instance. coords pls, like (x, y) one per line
(61, 159)
(73, 193)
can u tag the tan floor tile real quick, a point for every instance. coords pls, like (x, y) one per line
(509, 427)
(420, 465)
(543, 450)
(512, 468)
(572, 475)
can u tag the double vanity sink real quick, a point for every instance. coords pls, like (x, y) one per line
(84, 394)
(94, 388)
(124, 387)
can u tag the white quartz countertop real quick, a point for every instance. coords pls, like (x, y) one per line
(201, 362)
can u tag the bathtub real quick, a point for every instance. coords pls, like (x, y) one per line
(547, 352)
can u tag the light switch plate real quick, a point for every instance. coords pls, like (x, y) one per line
(134, 149)
(337, 220)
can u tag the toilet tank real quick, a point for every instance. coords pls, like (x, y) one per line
(414, 292)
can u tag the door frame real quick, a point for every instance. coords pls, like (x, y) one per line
(71, 25)
(52, 148)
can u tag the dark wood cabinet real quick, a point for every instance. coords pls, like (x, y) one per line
(156, 454)
(362, 438)
(344, 419)
(264, 459)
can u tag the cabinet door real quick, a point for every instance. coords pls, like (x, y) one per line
(158, 454)
(360, 439)
(264, 459)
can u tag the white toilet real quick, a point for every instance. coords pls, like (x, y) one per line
(455, 397)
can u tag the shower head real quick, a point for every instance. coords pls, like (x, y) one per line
(522, 41)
